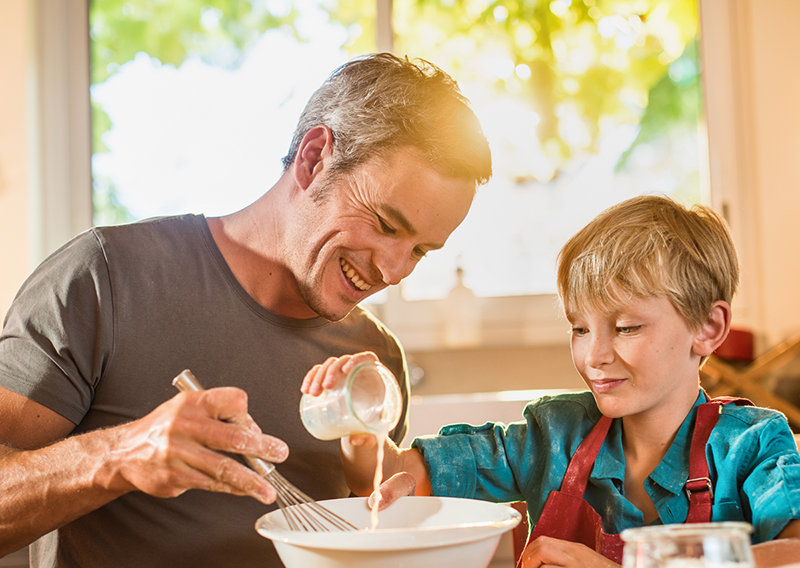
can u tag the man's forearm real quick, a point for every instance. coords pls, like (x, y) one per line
(180, 445)
(41, 490)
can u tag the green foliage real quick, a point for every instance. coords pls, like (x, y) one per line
(608, 62)
(359, 18)
(219, 31)
(600, 63)
(674, 103)
(107, 208)
(101, 123)
(170, 30)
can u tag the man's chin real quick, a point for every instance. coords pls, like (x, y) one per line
(333, 314)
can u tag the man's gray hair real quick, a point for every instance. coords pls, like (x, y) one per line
(380, 102)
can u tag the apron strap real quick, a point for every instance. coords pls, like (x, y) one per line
(581, 463)
(698, 487)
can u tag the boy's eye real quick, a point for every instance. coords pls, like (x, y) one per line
(579, 331)
(627, 329)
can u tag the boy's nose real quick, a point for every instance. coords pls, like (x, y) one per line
(600, 352)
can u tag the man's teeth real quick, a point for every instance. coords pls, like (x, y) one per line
(351, 274)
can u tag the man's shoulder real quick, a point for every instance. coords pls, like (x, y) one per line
(364, 322)
(167, 227)
(366, 332)
(160, 241)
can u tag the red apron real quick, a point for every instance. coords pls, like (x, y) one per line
(567, 516)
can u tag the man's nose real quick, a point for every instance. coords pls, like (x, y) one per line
(394, 263)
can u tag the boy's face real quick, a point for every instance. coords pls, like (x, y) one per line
(638, 361)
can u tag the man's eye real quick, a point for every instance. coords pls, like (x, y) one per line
(419, 253)
(386, 228)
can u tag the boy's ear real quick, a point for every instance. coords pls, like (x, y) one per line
(313, 155)
(714, 331)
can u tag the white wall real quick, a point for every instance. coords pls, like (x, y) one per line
(45, 133)
(773, 64)
(15, 53)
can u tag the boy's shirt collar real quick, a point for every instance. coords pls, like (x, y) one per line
(673, 469)
(665, 483)
(670, 473)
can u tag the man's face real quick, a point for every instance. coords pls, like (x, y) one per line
(371, 228)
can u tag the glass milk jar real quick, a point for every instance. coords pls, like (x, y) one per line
(367, 400)
(694, 545)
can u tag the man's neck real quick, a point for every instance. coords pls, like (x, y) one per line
(250, 241)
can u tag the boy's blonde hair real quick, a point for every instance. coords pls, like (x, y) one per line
(650, 246)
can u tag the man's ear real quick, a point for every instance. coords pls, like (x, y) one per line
(714, 331)
(313, 155)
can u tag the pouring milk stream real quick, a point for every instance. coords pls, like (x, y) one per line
(366, 401)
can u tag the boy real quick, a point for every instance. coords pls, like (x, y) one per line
(646, 287)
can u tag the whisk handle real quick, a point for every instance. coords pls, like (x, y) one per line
(187, 382)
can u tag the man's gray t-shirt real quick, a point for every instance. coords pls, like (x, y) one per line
(97, 333)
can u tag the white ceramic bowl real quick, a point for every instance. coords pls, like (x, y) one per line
(413, 532)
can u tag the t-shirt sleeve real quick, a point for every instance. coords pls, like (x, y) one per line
(772, 486)
(58, 333)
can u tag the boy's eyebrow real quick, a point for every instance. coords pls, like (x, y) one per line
(397, 216)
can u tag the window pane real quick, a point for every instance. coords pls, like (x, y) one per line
(585, 103)
(195, 105)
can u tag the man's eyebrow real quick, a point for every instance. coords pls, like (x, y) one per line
(397, 216)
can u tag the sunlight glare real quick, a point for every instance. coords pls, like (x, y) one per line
(500, 14)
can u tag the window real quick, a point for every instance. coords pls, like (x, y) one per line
(585, 103)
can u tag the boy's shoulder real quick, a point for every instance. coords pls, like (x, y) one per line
(565, 406)
(755, 426)
(748, 416)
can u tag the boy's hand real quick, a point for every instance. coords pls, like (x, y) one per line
(361, 440)
(399, 485)
(326, 375)
(547, 551)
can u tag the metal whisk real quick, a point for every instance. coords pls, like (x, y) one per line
(301, 512)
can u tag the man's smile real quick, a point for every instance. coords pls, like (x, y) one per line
(353, 276)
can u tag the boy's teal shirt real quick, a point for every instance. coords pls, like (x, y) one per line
(752, 458)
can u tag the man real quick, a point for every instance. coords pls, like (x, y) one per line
(100, 460)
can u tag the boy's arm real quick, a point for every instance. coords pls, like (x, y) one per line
(359, 457)
(785, 549)
(358, 452)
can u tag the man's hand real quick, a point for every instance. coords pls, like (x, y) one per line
(546, 552)
(174, 448)
(177, 447)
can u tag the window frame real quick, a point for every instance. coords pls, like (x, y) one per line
(61, 186)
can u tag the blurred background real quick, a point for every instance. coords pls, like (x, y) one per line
(113, 111)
